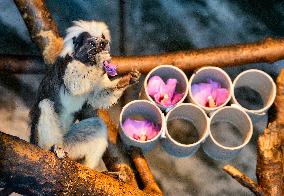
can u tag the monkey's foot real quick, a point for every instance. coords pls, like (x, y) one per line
(122, 176)
(58, 151)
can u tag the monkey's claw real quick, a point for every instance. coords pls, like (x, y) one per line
(122, 176)
(135, 76)
(58, 151)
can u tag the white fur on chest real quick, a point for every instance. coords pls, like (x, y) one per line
(70, 104)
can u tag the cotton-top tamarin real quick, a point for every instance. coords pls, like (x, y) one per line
(77, 78)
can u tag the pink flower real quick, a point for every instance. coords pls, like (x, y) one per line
(209, 94)
(110, 69)
(164, 94)
(141, 130)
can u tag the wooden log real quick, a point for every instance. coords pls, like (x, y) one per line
(42, 28)
(33, 171)
(268, 50)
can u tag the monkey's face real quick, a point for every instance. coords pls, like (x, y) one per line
(86, 47)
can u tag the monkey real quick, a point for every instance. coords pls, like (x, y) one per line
(76, 79)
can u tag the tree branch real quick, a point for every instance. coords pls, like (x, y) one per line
(243, 179)
(268, 50)
(42, 28)
(270, 159)
(116, 158)
(30, 170)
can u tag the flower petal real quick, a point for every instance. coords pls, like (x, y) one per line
(201, 92)
(214, 84)
(110, 69)
(221, 96)
(139, 128)
(162, 93)
(154, 85)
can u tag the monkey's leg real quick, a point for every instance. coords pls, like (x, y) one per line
(48, 127)
(86, 139)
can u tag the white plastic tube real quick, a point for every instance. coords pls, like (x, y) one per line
(166, 72)
(147, 110)
(236, 117)
(213, 73)
(197, 117)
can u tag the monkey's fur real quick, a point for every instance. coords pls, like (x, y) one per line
(77, 78)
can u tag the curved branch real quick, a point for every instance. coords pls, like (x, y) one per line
(41, 27)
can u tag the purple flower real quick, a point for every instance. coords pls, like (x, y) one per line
(164, 94)
(141, 130)
(209, 94)
(110, 69)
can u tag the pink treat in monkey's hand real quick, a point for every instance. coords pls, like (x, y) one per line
(110, 69)
(209, 94)
(164, 93)
(141, 130)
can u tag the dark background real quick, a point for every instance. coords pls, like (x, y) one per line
(148, 27)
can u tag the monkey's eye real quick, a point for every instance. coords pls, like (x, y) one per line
(102, 44)
(92, 43)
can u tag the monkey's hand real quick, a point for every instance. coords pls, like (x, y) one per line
(135, 76)
(101, 57)
(58, 151)
(131, 78)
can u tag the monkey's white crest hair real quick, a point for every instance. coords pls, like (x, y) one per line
(95, 28)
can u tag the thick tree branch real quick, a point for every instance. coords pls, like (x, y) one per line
(269, 50)
(270, 160)
(269, 167)
(42, 28)
(31, 170)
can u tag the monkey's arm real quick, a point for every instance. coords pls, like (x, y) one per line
(111, 90)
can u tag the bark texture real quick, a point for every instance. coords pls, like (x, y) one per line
(270, 160)
(30, 170)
